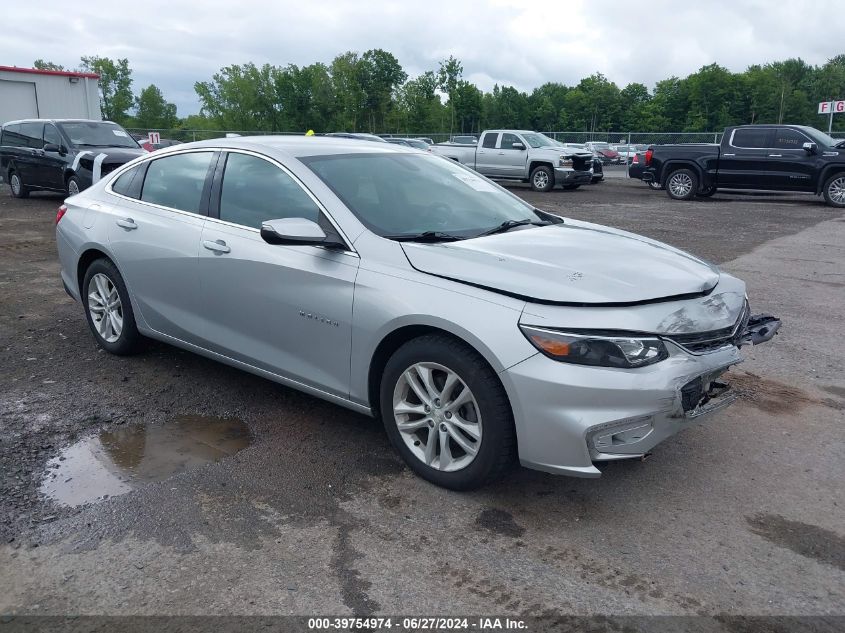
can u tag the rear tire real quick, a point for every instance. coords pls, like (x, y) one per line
(542, 178)
(108, 310)
(682, 184)
(834, 190)
(463, 404)
(16, 186)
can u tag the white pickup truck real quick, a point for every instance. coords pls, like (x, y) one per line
(524, 156)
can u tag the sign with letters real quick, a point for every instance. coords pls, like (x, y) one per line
(155, 138)
(832, 107)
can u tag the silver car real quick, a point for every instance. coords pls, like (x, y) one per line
(402, 285)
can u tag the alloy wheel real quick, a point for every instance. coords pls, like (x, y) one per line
(72, 187)
(680, 184)
(437, 416)
(541, 180)
(105, 307)
(15, 184)
(836, 190)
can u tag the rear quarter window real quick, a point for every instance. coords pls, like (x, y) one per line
(177, 181)
(12, 136)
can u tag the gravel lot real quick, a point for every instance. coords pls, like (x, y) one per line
(744, 514)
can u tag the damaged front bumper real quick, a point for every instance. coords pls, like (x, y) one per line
(569, 416)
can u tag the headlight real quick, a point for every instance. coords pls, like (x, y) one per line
(599, 350)
(565, 161)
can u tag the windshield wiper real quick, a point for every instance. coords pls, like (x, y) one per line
(507, 225)
(426, 236)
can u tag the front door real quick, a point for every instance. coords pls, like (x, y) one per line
(52, 164)
(509, 161)
(284, 309)
(789, 165)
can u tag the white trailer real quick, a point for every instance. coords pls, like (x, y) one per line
(29, 93)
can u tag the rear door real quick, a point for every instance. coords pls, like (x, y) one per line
(485, 153)
(155, 234)
(789, 165)
(28, 154)
(284, 309)
(743, 161)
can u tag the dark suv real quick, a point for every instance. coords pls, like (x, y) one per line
(61, 155)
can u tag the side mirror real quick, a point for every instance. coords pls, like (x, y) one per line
(517, 146)
(52, 147)
(297, 232)
(811, 148)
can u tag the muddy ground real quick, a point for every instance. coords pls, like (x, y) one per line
(314, 513)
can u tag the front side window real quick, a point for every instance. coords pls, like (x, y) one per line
(177, 181)
(508, 140)
(255, 190)
(786, 138)
(97, 134)
(399, 195)
(752, 138)
(51, 135)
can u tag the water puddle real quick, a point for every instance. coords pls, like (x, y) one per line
(116, 461)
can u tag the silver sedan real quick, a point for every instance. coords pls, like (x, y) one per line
(402, 285)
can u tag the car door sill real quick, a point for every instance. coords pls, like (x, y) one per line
(288, 382)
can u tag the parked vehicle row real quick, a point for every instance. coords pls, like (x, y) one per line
(523, 156)
(65, 155)
(752, 157)
(483, 329)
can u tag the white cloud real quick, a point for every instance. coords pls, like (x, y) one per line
(499, 41)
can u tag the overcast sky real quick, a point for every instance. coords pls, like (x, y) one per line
(174, 44)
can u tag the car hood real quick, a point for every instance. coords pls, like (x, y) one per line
(113, 154)
(572, 263)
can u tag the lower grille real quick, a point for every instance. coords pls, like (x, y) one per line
(703, 342)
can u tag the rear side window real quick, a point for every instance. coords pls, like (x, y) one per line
(129, 182)
(177, 181)
(12, 136)
(255, 190)
(752, 138)
(490, 140)
(786, 138)
(33, 133)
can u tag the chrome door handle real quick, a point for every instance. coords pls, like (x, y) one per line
(218, 246)
(127, 223)
(728, 154)
(501, 153)
(775, 155)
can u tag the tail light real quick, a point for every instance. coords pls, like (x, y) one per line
(61, 213)
(649, 153)
(635, 160)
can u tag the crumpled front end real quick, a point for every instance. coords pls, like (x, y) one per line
(569, 416)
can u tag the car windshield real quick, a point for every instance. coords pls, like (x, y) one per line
(536, 140)
(821, 138)
(96, 134)
(405, 195)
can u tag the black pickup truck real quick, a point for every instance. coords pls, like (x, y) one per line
(756, 157)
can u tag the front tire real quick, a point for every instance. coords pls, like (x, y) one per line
(16, 186)
(73, 186)
(682, 184)
(834, 190)
(446, 413)
(108, 310)
(542, 178)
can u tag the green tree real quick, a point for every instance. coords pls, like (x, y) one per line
(152, 111)
(115, 86)
(40, 64)
(381, 74)
(242, 98)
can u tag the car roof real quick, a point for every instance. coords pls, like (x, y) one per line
(58, 121)
(302, 146)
